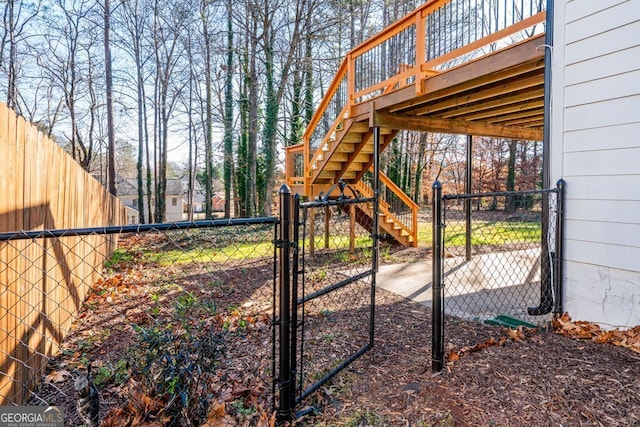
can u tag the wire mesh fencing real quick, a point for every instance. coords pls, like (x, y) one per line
(335, 292)
(170, 319)
(500, 259)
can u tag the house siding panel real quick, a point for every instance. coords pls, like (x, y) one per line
(610, 233)
(600, 211)
(603, 162)
(591, 254)
(596, 149)
(610, 188)
(605, 88)
(606, 113)
(617, 137)
(598, 23)
(616, 39)
(580, 9)
(626, 60)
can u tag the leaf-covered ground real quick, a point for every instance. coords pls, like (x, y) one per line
(539, 378)
(194, 354)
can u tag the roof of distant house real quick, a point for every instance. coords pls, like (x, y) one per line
(129, 187)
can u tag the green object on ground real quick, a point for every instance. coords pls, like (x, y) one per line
(509, 322)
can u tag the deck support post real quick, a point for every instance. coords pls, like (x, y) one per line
(352, 229)
(467, 202)
(327, 217)
(312, 231)
(375, 228)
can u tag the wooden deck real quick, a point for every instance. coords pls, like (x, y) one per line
(398, 80)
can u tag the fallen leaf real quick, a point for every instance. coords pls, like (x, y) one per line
(585, 330)
(217, 416)
(515, 334)
(266, 420)
(603, 337)
(58, 376)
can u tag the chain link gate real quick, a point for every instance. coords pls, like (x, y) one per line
(497, 258)
(326, 296)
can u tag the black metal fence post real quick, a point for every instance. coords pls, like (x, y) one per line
(295, 211)
(284, 242)
(437, 314)
(559, 258)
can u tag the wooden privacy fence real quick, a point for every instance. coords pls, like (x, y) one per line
(43, 281)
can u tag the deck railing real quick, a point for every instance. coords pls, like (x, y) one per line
(295, 162)
(394, 203)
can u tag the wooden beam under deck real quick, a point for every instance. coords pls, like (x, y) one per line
(427, 124)
(473, 107)
(473, 93)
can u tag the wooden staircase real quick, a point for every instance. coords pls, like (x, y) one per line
(347, 155)
(390, 224)
(413, 87)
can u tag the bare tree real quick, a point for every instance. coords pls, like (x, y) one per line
(16, 16)
(168, 23)
(66, 58)
(111, 132)
(133, 24)
(228, 116)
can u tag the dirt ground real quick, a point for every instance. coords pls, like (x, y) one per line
(533, 378)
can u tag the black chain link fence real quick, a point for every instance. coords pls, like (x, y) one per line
(175, 325)
(507, 267)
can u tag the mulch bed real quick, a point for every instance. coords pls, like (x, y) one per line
(541, 378)
(548, 379)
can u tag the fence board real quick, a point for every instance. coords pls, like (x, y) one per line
(43, 282)
(6, 252)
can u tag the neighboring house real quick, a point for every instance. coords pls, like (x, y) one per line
(595, 148)
(198, 198)
(217, 203)
(128, 193)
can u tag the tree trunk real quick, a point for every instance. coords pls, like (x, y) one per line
(252, 137)
(141, 121)
(111, 132)
(10, 28)
(208, 143)
(228, 116)
(269, 131)
(308, 90)
(274, 97)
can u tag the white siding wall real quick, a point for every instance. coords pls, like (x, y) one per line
(173, 213)
(595, 142)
